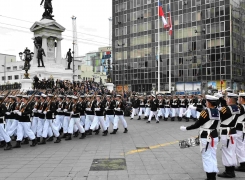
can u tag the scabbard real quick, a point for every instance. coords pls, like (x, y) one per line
(227, 144)
(243, 136)
(206, 146)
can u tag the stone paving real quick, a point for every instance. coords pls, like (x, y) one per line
(162, 160)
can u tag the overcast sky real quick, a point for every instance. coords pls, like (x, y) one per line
(92, 18)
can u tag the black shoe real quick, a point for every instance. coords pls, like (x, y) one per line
(148, 122)
(97, 131)
(26, 141)
(42, 142)
(58, 140)
(187, 120)
(83, 136)
(34, 143)
(76, 134)
(145, 117)
(105, 133)
(61, 130)
(64, 135)
(139, 118)
(38, 140)
(131, 118)
(229, 172)
(8, 146)
(17, 145)
(114, 131)
(240, 168)
(3, 144)
(172, 119)
(165, 119)
(90, 132)
(157, 122)
(125, 130)
(160, 117)
(14, 138)
(50, 139)
(195, 119)
(179, 119)
(68, 137)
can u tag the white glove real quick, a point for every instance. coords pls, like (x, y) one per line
(192, 107)
(97, 109)
(65, 110)
(59, 109)
(7, 113)
(19, 113)
(34, 110)
(72, 113)
(16, 111)
(106, 108)
(183, 128)
(44, 112)
(118, 109)
(40, 111)
(88, 109)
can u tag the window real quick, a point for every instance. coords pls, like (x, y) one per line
(146, 75)
(116, 20)
(181, 60)
(125, 18)
(208, 29)
(79, 67)
(135, 28)
(135, 65)
(180, 48)
(156, 24)
(116, 77)
(116, 8)
(125, 30)
(198, 2)
(180, 19)
(145, 26)
(208, 11)
(180, 5)
(208, 71)
(180, 73)
(222, 10)
(15, 68)
(9, 77)
(222, 26)
(79, 76)
(16, 77)
(194, 72)
(125, 55)
(3, 78)
(194, 45)
(125, 6)
(8, 68)
(194, 16)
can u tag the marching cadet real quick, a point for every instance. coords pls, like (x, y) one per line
(120, 107)
(10, 117)
(142, 107)
(135, 105)
(67, 112)
(24, 124)
(200, 105)
(228, 135)
(154, 106)
(49, 120)
(4, 137)
(161, 104)
(109, 111)
(75, 119)
(147, 107)
(35, 114)
(13, 128)
(182, 106)
(174, 104)
(240, 129)
(60, 115)
(89, 114)
(208, 122)
(82, 110)
(191, 112)
(167, 108)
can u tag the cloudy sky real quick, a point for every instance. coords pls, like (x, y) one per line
(17, 16)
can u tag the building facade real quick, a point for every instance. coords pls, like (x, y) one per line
(206, 46)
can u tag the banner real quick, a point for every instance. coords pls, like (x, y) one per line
(217, 85)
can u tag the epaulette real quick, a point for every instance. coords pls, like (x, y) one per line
(203, 114)
(223, 110)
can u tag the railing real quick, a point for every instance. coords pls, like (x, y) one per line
(10, 86)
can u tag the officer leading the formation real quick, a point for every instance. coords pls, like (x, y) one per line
(208, 122)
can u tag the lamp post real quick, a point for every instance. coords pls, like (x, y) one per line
(26, 56)
(4, 69)
(73, 64)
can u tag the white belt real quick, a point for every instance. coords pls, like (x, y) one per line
(240, 119)
(228, 121)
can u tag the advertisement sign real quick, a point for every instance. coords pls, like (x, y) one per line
(217, 85)
(120, 88)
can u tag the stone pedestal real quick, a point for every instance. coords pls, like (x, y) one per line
(26, 84)
(110, 86)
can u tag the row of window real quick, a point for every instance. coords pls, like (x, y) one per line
(14, 68)
(16, 77)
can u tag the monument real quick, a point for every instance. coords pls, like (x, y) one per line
(47, 39)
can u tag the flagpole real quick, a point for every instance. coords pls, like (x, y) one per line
(170, 55)
(158, 59)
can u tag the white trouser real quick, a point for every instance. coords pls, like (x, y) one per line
(153, 113)
(116, 120)
(75, 122)
(134, 112)
(240, 147)
(98, 120)
(197, 114)
(181, 111)
(3, 134)
(142, 109)
(109, 119)
(59, 121)
(88, 121)
(13, 128)
(34, 124)
(66, 124)
(228, 154)
(82, 119)
(8, 124)
(40, 125)
(174, 112)
(161, 112)
(147, 111)
(49, 124)
(209, 158)
(167, 112)
(24, 128)
(191, 112)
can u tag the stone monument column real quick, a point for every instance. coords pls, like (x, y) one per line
(58, 51)
(45, 47)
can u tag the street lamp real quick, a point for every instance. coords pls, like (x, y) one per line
(4, 69)
(26, 56)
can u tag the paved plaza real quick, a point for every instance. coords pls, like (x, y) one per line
(148, 151)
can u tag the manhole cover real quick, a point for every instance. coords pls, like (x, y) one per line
(142, 148)
(108, 164)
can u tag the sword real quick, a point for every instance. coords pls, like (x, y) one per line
(227, 144)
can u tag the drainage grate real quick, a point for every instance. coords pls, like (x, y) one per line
(108, 164)
(142, 148)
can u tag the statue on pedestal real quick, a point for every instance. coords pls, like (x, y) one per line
(48, 9)
(69, 58)
(40, 54)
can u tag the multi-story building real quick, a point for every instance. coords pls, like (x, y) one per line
(206, 46)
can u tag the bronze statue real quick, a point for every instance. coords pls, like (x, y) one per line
(69, 58)
(40, 54)
(27, 59)
(48, 9)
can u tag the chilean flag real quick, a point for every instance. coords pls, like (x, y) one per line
(170, 21)
(161, 14)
